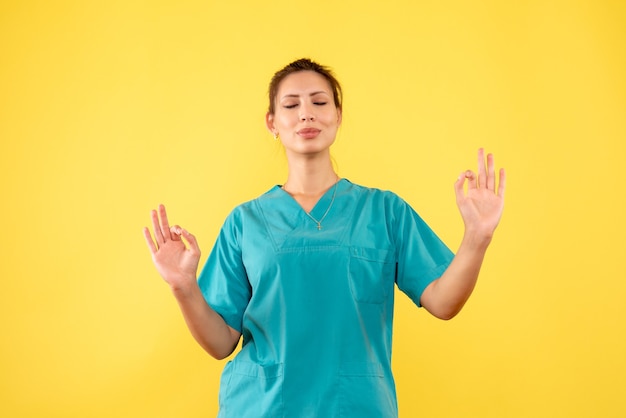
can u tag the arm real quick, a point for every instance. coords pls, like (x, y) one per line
(481, 209)
(177, 263)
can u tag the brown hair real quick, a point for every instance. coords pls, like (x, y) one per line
(304, 64)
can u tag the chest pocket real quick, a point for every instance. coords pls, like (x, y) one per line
(371, 274)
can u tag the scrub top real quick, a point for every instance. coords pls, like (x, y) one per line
(315, 306)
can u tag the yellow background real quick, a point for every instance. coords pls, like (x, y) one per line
(108, 108)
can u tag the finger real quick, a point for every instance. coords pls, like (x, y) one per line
(191, 240)
(165, 226)
(158, 236)
(482, 172)
(459, 187)
(471, 179)
(491, 173)
(151, 246)
(175, 232)
(502, 182)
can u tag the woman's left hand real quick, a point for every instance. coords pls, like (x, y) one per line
(481, 205)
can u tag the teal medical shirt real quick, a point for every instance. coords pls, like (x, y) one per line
(315, 307)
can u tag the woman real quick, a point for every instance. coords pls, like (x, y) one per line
(306, 272)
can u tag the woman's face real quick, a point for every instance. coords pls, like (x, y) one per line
(306, 118)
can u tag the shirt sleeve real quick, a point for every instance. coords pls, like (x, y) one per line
(223, 279)
(421, 256)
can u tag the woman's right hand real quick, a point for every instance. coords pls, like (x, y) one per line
(176, 262)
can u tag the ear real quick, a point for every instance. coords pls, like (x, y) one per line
(339, 115)
(269, 123)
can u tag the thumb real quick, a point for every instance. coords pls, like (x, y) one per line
(458, 185)
(191, 240)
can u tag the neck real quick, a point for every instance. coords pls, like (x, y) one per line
(310, 177)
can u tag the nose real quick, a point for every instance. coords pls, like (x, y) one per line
(306, 114)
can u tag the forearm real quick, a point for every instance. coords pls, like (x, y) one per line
(207, 326)
(446, 296)
(481, 209)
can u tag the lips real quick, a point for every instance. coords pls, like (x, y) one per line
(308, 133)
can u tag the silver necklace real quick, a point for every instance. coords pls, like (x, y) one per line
(332, 200)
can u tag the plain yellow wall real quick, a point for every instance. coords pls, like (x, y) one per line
(109, 108)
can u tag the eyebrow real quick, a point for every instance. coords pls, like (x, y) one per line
(312, 94)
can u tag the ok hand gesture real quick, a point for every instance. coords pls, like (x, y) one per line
(176, 262)
(482, 204)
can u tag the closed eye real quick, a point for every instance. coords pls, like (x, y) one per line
(320, 103)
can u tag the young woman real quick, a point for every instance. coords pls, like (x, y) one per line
(306, 272)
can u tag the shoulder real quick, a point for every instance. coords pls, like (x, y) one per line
(251, 210)
(375, 195)
(241, 217)
(385, 205)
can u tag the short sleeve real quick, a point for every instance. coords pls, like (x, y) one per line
(422, 257)
(223, 280)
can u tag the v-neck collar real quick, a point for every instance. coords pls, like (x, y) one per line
(320, 206)
(289, 227)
